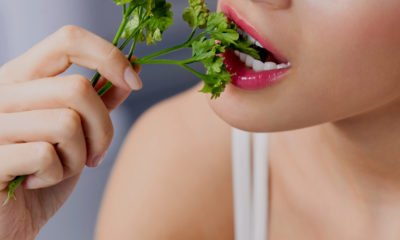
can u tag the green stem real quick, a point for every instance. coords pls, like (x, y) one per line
(181, 63)
(125, 20)
(192, 34)
(172, 49)
(200, 75)
(162, 52)
(198, 37)
(164, 61)
(12, 186)
(104, 89)
(95, 79)
(132, 49)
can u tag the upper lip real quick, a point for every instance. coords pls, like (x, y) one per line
(242, 23)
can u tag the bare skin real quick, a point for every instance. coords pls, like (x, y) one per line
(335, 178)
(184, 182)
(52, 126)
(321, 187)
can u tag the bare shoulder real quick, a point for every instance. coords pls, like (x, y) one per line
(172, 179)
(185, 115)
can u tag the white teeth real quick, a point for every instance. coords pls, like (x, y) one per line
(248, 37)
(242, 57)
(251, 39)
(269, 66)
(249, 61)
(283, 65)
(258, 66)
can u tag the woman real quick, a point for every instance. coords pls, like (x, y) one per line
(334, 115)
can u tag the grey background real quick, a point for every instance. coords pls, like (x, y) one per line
(24, 23)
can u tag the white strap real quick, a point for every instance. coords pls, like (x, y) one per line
(250, 185)
(241, 172)
(260, 186)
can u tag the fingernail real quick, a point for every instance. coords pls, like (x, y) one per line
(98, 160)
(132, 78)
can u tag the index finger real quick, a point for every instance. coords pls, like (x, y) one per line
(72, 45)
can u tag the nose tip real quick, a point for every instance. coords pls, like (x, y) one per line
(278, 4)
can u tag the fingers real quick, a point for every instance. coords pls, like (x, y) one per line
(111, 98)
(73, 45)
(37, 158)
(59, 127)
(74, 92)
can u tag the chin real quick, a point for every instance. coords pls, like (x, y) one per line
(269, 110)
(241, 110)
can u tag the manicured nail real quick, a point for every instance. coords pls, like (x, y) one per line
(132, 78)
(98, 160)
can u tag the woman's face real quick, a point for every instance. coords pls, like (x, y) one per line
(344, 55)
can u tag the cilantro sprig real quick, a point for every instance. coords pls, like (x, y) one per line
(212, 34)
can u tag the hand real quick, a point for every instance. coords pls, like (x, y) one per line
(51, 126)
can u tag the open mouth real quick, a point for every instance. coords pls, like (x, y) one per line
(249, 73)
(267, 62)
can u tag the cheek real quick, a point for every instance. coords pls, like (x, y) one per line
(350, 56)
(346, 59)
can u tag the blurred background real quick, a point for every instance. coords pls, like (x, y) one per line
(24, 23)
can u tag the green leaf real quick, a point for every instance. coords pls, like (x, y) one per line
(206, 48)
(161, 18)
(216, 83)
(121, 2)
(214, 64)
(207, 51)
(217, 21)
(244, 46)
(229, 36)
(221, 30)
(135, 2)
(196, 14)
(132, 24)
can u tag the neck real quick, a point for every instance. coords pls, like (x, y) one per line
(346, 172)
(365, 149)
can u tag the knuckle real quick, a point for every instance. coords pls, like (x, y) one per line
(45, 153)
(48, 160)
(69, 33)
(56, 175)
(113, 52)
(76, 168)
(69, 122)
(79, 87)
(108, 134)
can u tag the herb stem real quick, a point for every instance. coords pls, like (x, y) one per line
(164, 61)
(160, 61)
(200, 75)
(132, 49)
(192, 34)
(172, 49)
(125, 20)
(162, 52)
(12, 186)
(104, 89)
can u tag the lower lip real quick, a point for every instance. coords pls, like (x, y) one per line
(248, 79)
